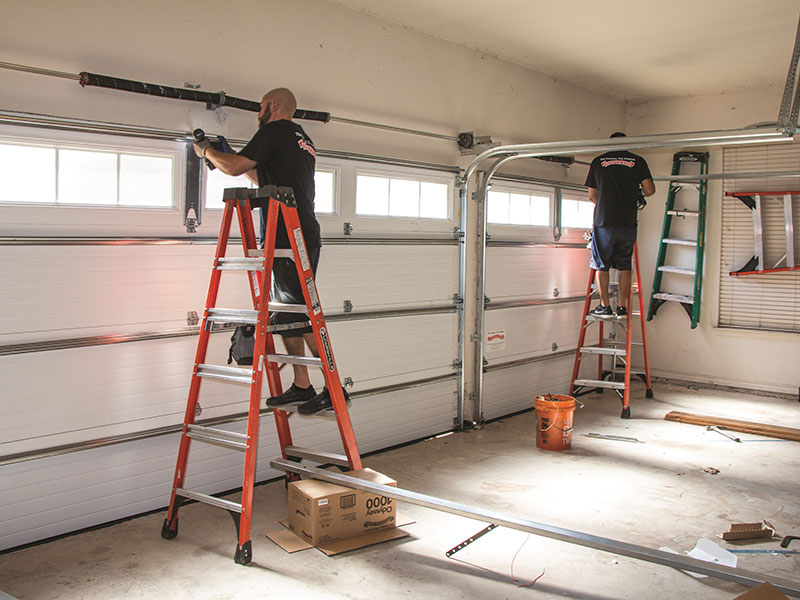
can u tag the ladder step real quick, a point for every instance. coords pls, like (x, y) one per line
(230, 439)
(212, 500)
(679, 270)
(602, 350)
(306, 361)
(233, 315)
(317, 456)
(674, 298)
(240, 264)
(221, 373)
(279, 253)
(600, 383)
(679, 242)
(288, 308)
(683, 213)
(615, 342)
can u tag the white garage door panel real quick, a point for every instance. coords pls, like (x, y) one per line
(379, 352)
(532, 330)
(387, 276)
(510, 390)
(67, 396)
(524, 273)
(55, 292)
(60, 494)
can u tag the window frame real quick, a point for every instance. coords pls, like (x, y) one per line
(405, 174)
(91, 142)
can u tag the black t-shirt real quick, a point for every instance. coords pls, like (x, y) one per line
(286, 156)
(616, 176)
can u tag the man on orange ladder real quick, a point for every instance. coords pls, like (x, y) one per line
(618, 181)
(280, 153)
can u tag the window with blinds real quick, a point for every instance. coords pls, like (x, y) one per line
(767, 301)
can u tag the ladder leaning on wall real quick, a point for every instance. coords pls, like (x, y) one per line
(258, 266)
(690, 302)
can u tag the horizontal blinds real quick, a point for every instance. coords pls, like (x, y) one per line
(766, 301)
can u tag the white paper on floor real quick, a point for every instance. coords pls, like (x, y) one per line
(708, 551)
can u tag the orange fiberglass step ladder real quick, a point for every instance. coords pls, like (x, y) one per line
(618, 374)
(259, 266)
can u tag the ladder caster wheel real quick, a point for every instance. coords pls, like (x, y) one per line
(626, 413)
(649, 393)
(244, 553)
(169, 532)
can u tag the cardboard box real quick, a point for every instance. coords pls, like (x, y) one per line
(321, 512)
(749, 531)
(762, 592)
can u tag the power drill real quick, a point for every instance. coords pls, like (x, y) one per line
(221, 145)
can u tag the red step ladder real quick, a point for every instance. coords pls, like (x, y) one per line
(259, 266)
(618, 374)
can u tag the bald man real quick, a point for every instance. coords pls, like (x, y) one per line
(280, 153)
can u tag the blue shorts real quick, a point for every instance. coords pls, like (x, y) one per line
(612, 248)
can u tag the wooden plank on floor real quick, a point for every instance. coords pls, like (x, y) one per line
(774, 431)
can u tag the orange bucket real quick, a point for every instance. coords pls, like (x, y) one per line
(554, 421)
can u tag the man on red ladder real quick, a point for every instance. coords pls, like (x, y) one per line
(280, 153)
(618, 181)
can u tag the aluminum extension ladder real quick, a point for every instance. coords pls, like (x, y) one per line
(690, 303)
(757, 265)
(617, 375)
(258, 264)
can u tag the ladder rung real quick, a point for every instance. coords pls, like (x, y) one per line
(686, 184)
(288, 308)
(221, 373)
(600, 383)
(240, 264)
(212, 500)
(679, 242)
(679, 270)
(279, 253)
(615, 342)
(233, 315)
(683, 213)
(602, 350)
(211, 435)
(317, 456)
(306, 361)
(674, 298)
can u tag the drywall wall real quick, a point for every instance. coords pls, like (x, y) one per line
(751, 359)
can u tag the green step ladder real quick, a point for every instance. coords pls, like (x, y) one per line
(658, 296)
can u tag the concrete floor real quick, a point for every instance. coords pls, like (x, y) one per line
(652, 494)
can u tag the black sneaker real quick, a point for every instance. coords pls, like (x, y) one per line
(294, 395)
(319, 403)
(621, 313)
(602, 312)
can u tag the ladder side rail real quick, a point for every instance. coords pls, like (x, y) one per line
(641, 316)
(701, 243)
(600, 334)
(758, 233)
(626, 397)
(273, 373)
(789, 229)
(582, 335)
(200, 355)
(321, 336)
(244, 212)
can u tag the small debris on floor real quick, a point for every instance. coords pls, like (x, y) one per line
(692, 386)
(711, 470)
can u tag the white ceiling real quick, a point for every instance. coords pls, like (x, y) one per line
(627, 49)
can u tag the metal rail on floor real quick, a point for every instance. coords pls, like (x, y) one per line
(570, 536)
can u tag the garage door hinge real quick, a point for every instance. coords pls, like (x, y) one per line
(348, 306)
(458, 234)
(456, 364)
(477, 196)
(457, 299)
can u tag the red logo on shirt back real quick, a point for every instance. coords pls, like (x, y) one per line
(625, 162)
(304, 145)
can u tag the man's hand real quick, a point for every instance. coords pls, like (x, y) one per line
(201, 147)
